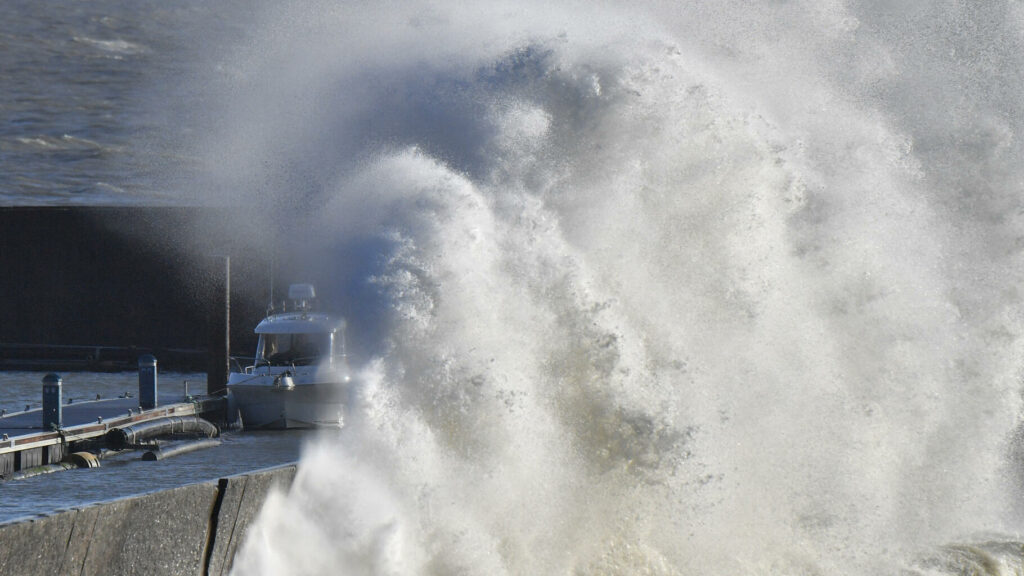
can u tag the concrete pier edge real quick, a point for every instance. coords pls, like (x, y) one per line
(192, 529)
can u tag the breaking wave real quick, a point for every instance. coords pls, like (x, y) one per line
(722, 288)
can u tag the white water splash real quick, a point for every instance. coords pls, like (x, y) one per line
(708, 289)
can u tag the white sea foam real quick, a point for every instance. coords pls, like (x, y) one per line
(118, 48)
(723, 288)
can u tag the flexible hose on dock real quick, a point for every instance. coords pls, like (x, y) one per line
(44, 469)
(177, 448)
(84, 459)
(121, 438)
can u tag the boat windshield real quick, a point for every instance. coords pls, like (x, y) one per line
(293, 349)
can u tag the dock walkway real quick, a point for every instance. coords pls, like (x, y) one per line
(24, 443)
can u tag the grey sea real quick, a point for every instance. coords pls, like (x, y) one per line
(93, 97)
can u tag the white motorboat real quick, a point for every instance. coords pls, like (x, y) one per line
(300, 376)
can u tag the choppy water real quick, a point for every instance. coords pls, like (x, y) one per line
(94, 109)
(705, 288)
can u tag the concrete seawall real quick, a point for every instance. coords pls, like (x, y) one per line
(194, 529)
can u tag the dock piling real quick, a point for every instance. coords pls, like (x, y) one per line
(52, 412)
(147, 382)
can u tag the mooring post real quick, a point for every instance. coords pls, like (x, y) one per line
(52, 411)
(147, 382)
(220, 326)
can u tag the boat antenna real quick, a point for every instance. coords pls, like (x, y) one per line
(273, 262)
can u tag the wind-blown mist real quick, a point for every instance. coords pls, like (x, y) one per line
(702, 288)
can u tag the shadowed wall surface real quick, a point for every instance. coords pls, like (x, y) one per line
(122, 277)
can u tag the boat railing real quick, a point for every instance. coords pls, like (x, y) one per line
(241, 364)
(248, 365)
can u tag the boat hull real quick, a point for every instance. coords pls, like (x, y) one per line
(265, 407)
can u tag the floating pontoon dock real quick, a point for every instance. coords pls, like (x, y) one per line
(25, 442)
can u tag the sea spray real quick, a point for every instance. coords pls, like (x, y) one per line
(715, 289)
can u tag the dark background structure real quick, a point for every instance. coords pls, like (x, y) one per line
(96, 286)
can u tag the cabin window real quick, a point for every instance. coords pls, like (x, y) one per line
(293, 349)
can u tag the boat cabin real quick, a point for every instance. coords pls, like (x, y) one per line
(299, 339)
(298, 336)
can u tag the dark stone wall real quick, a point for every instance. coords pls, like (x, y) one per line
(122, 276)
